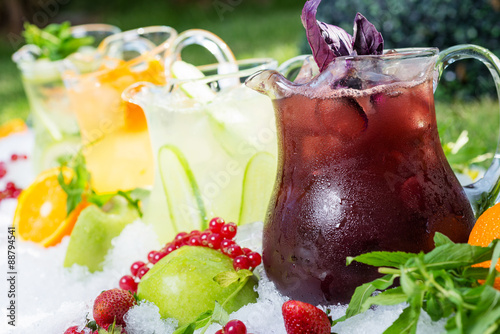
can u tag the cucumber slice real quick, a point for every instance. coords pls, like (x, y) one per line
(185, 204)
(258, 183)
(195, 90)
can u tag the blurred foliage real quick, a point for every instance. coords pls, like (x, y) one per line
(425, 23)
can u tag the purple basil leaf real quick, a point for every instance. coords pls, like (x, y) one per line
(326, 41)
(367, 40)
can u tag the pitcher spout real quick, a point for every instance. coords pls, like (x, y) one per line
(270, 83)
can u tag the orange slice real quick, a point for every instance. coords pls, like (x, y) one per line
(487, 229)
(12, 126)
(41, 210)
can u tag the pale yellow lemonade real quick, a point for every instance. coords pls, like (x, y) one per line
(215, 155)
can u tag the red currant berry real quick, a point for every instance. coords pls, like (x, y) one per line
(3, 172)
(169, 248)
(235, 327)
(204, 238)
(14, 157)
(194, 240)
(247, 251)
(254, 258)
(234, 250)
(10, 186)
(142, 271)
(229, 230)
(158, 256)
(180, 236)
(151, 256)
(219, 332)
(241, 262)
(24, 157)
(127, 282)
(224, 245)
(16, 193)
(214, 240)
(194, 232)
(216, 224)
(135, 267)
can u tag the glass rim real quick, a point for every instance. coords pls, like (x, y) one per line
(393, 54)
(95, 27)
(263, 63)
(129, 35)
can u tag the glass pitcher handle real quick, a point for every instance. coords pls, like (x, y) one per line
(483, 193)
(216, 46)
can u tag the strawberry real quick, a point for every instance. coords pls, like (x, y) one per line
(304, 318)
(111, 305)
(73, 330)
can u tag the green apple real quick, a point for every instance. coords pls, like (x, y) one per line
(182, 284)
(91, 237)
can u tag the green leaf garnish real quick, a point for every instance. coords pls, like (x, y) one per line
(79, 187)
(442, 282)
(227, 278)
(55, 41)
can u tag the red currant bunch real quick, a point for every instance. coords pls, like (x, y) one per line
(11, 190)
(219, 236)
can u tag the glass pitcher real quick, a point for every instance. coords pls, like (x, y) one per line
(214, 142)
(361, 169)
(114, 133)
(54, 122)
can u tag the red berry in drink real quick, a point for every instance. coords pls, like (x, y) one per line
(218, 332)
(229, 230)
(235, 327)
(127, 282)
(14, 157)
(194, 232)
(214, 240)
(216, 224)
(134, 268)
(241, 262)
(234, 250)
(254, 258)
(10, 186)
(142, 271)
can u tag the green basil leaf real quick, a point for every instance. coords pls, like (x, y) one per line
(363, 292)
(220, 315)
(451, 256)
(382, 259)
(392, 296)
(441, 239)
(405, 323)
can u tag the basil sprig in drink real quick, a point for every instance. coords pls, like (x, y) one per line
(360, 166)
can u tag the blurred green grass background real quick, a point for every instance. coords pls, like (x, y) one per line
(260, 28)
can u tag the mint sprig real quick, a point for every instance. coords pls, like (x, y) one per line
(79, 187)
(442, 282)
(55, 40)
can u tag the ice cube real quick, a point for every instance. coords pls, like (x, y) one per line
(145, 319)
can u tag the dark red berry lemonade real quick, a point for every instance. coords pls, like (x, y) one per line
(361, 169)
